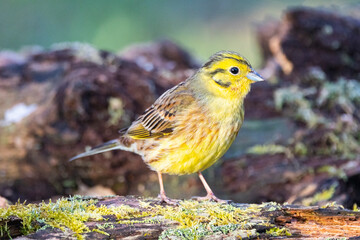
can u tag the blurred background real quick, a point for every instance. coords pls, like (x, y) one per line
(202, 27)
(300, 140)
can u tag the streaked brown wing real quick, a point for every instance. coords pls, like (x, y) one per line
(160, 118)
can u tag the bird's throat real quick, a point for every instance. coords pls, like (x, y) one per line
(221, 109)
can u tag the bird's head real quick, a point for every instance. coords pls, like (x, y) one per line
(228, 75)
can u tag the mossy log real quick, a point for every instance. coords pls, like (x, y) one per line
(308, 38)
(313, 57)
(138, 218)
(77, 96)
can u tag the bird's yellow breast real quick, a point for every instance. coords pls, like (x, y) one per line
(201, 137)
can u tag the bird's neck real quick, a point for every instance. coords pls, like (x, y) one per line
(219, 107)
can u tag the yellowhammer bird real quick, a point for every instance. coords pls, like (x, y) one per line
(193, 124)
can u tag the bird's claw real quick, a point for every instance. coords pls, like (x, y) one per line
(165, 199)
(211, 197)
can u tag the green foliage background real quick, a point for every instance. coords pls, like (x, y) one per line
(202, 26)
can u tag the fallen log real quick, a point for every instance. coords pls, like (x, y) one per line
(74, 96)
(120, 217)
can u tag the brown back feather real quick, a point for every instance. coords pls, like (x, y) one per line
(160, 119)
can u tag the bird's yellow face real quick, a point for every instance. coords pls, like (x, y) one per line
(228, 75)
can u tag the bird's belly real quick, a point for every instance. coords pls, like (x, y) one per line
(194, 152)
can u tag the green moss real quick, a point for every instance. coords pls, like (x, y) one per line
(193, 213)
(271, 206)
(199, 219)
(300, 107)
(268, 149)
(64, 214)
(355, 208)
(300, 149)
(333, 205)
(326, 108)
(199, 231)
(343, 93)
(4, 231)
(277, 232)
(333, 171)
(100, 231)
(105, 226)
(195, 219)
(322, 196)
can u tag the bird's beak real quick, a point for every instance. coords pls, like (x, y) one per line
(254, 76)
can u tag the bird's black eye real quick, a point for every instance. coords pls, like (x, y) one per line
(234, 70)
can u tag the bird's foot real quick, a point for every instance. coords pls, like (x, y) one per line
(165, 199)
(211, 197)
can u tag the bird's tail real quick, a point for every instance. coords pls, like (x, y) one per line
(108, 146)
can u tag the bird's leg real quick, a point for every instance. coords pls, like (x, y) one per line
(210, 194)
(162, 194)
